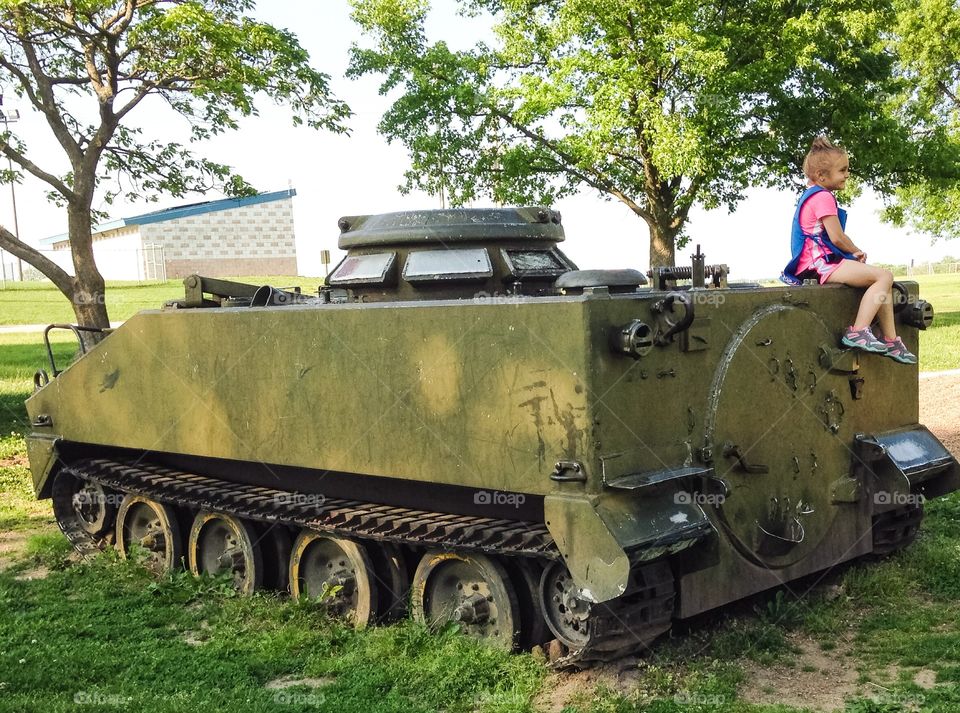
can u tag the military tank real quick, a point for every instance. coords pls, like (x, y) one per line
(462, 424)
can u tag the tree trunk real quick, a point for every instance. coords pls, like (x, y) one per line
(88, 298)
(662, 246)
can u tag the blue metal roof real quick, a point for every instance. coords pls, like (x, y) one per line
(183, 211)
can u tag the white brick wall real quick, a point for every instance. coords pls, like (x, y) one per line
(263, 230)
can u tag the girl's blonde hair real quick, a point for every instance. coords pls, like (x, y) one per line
(820, 157)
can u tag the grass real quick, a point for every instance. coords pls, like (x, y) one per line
(42, 303)
(938, 345)
(106, 634)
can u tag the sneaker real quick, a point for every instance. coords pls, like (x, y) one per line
(864, 339)
(898, 352)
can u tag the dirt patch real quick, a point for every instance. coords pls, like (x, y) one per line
(925, 678)
(818, 680)
(940, 409)
(278, 684)
(16, 460)
(198, 638)
(13, 549)
(38, 572)
(562, 688)
(13, 545)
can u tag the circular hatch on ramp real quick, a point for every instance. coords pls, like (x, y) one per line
(775, 420)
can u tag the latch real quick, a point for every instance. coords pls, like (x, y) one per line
(731, 450)
(568, 471)
(844, 361)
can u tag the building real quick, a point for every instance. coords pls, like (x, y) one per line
(222, 238)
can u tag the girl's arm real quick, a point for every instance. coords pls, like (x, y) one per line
(831, 224)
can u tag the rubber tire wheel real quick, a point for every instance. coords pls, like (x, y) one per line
(525, 575)
(276, 545)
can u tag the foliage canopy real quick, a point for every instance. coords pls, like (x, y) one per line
(86, 65)
(660, 105)
(928, 49)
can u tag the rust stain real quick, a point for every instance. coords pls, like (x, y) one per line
(536, 411)
(566, 419)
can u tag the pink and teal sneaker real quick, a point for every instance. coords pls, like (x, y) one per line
(865, 340)
(898, 352)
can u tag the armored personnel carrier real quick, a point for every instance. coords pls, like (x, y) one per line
(463, 423)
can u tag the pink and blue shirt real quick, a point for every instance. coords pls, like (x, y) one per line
(811, 247)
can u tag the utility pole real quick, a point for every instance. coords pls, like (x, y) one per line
(9, 116)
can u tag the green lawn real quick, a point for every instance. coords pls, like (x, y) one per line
(42, 303)
(939, 344)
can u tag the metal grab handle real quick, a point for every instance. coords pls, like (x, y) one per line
(793, 534)
(732, 450)
(662, 307)
(76, 329)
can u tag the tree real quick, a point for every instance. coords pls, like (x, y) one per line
(927, 45)
(660, 105)
(86, 65)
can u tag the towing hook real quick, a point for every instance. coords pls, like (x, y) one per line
(667, 329)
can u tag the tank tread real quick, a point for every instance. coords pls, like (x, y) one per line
(341, 517)
(631, 623)
(896, 529)
(82, 541)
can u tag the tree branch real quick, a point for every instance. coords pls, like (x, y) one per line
(30, 167)
(597, 181)
(686, 200)
(60, 277)
(48, 103)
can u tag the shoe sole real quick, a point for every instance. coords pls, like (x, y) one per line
(901, 360)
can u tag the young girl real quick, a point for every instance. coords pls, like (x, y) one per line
(821, 249)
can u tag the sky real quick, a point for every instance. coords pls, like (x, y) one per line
(359, 174)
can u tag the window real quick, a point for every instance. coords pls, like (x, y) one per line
(436, 265)
(536, 263)
(363, 269)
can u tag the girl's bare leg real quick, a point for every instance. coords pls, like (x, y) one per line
(877, 301)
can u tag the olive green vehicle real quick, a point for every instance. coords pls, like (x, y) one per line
(462, 423)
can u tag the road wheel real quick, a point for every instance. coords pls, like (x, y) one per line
(338, 571)
(153, 527)
(223, 543)
(473, 590)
